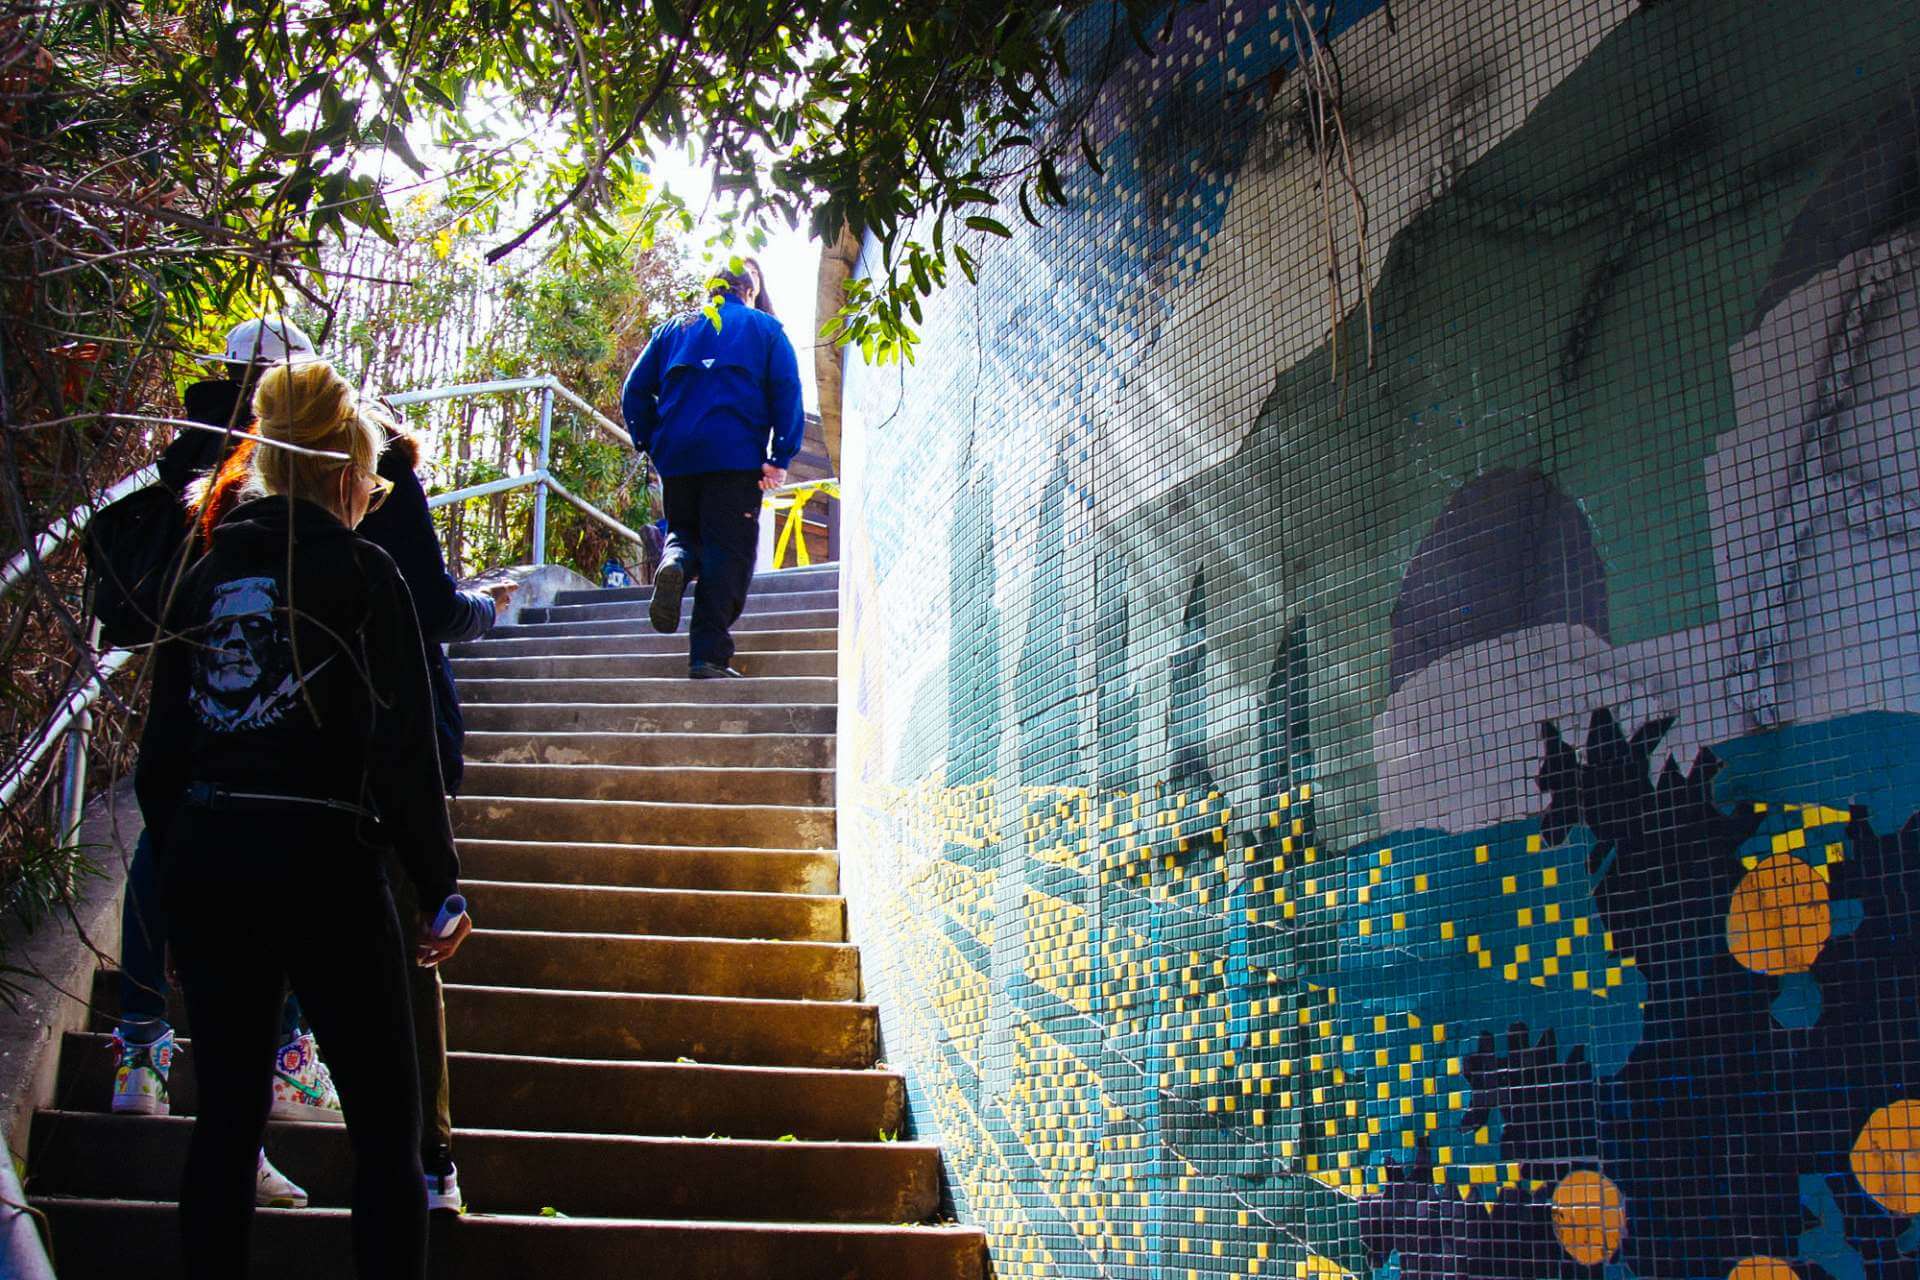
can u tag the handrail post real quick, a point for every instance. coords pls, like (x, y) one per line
(72, 797)
(540, 490)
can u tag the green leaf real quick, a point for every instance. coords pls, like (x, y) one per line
(980, 222)
(671, 20)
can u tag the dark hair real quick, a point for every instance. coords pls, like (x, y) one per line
(738, 281)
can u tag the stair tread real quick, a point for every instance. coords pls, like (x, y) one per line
(96, 1236)
(612, 1096)
(643, 891)
(665, 939)
(613, 1175)
(321, 1212)
(468, 1136)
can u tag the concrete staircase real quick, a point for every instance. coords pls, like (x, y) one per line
(661, 1064)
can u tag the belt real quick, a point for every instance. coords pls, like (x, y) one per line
(206, 795)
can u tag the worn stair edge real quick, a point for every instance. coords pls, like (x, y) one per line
(96, 1237)
(586, 1095)
(679, 750)
(788, 690)
(657, 965)
(681, 913)
(642, 866)
(645, 822)
(796, 620)
(820, 577)
(682, 717)
(625, 1026)
(770, 602)
(653, 1027)
(507, 1171)
(816, 663)
(670, 784)
(644, 643)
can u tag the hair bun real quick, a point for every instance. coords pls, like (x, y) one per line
(303, 403)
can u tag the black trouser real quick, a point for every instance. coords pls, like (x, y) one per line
(713, 530)
(257, 900)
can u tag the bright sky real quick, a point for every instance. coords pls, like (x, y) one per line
(791, 262)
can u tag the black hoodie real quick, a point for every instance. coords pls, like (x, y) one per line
(327, 699)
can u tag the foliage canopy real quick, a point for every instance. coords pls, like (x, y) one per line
(909, 121)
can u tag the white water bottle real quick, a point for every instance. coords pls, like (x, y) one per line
(447, 921)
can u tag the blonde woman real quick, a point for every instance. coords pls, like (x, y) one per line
(290, 740)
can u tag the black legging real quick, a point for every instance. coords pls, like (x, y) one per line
(258, 900)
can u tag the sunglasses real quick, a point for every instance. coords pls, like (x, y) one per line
(380, 487)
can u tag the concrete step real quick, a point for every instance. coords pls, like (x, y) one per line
(669, 784)
(659, 689)
(664, 718)
(625, 1027)
(684, 913)
(601, 609)
(658, 965)
(664, 666)
(731, 826)
(97, 1237)
(599, 1175)
(825, 577)
(643, 642)
(695, 750)
(614, 622)
(573, 1095)
(653, 866)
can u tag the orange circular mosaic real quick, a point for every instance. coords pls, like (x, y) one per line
(1589, 1217)
(1886, 1156)
(1780, 918)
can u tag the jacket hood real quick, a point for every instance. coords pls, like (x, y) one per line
(270, 518)
(216, 402)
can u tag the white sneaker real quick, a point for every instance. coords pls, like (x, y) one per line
(140, 1077)
(443, 1191)
(273, 1189)
(302, 1085)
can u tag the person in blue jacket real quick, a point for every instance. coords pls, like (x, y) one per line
(717, 408)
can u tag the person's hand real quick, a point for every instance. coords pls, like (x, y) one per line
(502, 593)
(429, 951)
(771, 477)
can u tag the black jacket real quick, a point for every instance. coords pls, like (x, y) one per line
(448, 615)
(400, 527)
(305, 678)
(192, 454)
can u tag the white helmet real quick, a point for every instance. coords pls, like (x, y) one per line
(268, 340)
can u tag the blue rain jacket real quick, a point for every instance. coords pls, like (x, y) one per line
(700, 400)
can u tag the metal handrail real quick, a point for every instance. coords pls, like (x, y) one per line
(72, 719)
(66, 526)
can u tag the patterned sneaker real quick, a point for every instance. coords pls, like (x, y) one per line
(273, 1189)
(302, 1086)
(140, 1083)
(443, 1186)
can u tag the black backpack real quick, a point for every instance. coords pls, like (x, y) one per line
(136, 551)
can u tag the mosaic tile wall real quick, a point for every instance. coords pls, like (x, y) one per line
(1416, 776)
